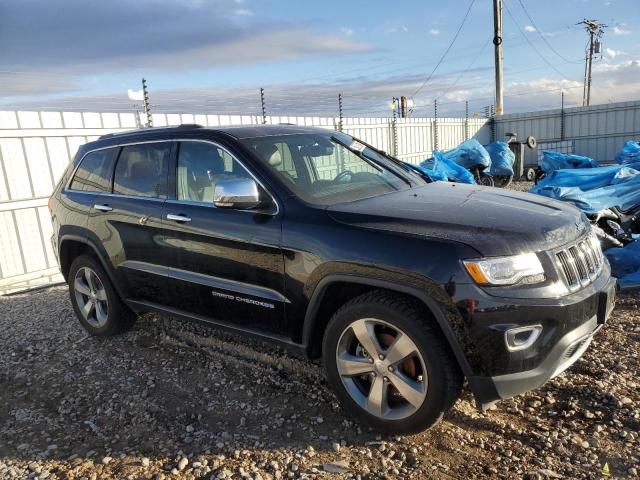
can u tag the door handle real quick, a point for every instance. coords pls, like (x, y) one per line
(178, 218)
(103, 208)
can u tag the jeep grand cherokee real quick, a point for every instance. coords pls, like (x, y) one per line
(319, 242)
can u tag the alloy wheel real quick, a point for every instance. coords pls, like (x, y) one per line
(382, 369)
(91, 297)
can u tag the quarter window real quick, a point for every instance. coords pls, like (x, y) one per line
(95, 171)
(142, 170)
(201, 166)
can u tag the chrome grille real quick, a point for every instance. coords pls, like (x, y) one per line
(581, 262)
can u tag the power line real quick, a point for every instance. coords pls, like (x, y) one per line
(533, 24)
(455, 37)
(533, 47)
(466, 69)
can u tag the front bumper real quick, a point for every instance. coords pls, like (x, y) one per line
(567, 334)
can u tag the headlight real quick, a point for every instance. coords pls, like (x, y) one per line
(506, 270)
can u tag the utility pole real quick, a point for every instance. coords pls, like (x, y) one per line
(340, 111)
(595, 31)
(497, 42)
(264, 106)
(147, 106)
(404, 107)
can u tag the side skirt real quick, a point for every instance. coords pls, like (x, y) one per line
(293, 348)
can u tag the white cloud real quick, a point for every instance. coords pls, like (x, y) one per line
(396, 29)
(619, 30)
(614, 53)
(530, 28)
(434, 31)
(347, 31)
(243, 12)
(458, 95)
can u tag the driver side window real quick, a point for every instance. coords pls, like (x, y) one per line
(201, 166)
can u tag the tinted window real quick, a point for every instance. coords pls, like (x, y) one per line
(94, 173)
(200, 166)
(142, 170)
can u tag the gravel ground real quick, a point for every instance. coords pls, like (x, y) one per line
(174, 400)
(171, 399)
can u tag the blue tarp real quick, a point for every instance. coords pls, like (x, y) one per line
(435, 176)
(439, 167)
(629, 154)
(552, 161)
(502, 158)
(625, 265)
(593, 189)
(469, 154)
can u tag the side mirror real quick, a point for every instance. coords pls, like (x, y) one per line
(239, 193)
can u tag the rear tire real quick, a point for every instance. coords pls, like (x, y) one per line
(96, 303)
(416, 388)
(530, 174)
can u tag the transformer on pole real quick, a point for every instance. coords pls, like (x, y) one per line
(595, 31)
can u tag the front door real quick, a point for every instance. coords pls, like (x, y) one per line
(226, 264)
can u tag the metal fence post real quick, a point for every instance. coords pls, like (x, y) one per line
(466, 120)
(340, 111)
(435, 125)
(264, 106)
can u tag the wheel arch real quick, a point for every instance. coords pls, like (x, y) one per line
(72, 246)
(314, 324)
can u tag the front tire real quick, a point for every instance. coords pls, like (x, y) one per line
(96, 303)
(389, 365)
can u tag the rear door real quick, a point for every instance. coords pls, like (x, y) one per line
(127, 223)
(226, 265)
(91, 179)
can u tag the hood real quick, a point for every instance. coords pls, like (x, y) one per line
(493, 221)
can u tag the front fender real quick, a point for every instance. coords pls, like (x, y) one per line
(424, 290)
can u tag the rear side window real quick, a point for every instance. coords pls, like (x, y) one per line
(142, 170)
(94, 173)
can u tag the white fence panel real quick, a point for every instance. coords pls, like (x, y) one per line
(36, 147)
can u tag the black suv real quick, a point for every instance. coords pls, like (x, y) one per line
(317, 241)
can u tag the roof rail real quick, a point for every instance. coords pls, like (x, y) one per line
(148, 129)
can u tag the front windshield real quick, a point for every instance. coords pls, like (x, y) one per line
(332, 167)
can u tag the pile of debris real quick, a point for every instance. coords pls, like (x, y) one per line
(472, 163)
(609, 196)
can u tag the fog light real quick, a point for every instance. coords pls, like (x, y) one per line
(521, 338)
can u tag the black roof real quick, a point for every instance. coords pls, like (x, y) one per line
(239, 131)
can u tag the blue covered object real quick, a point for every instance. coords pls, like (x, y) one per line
(552, 161)
(434, 175)
(623, 190)
(469, 154)
(442, 168)
(629, 155)
(625, 265)
(587, 178)
(502, 158)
